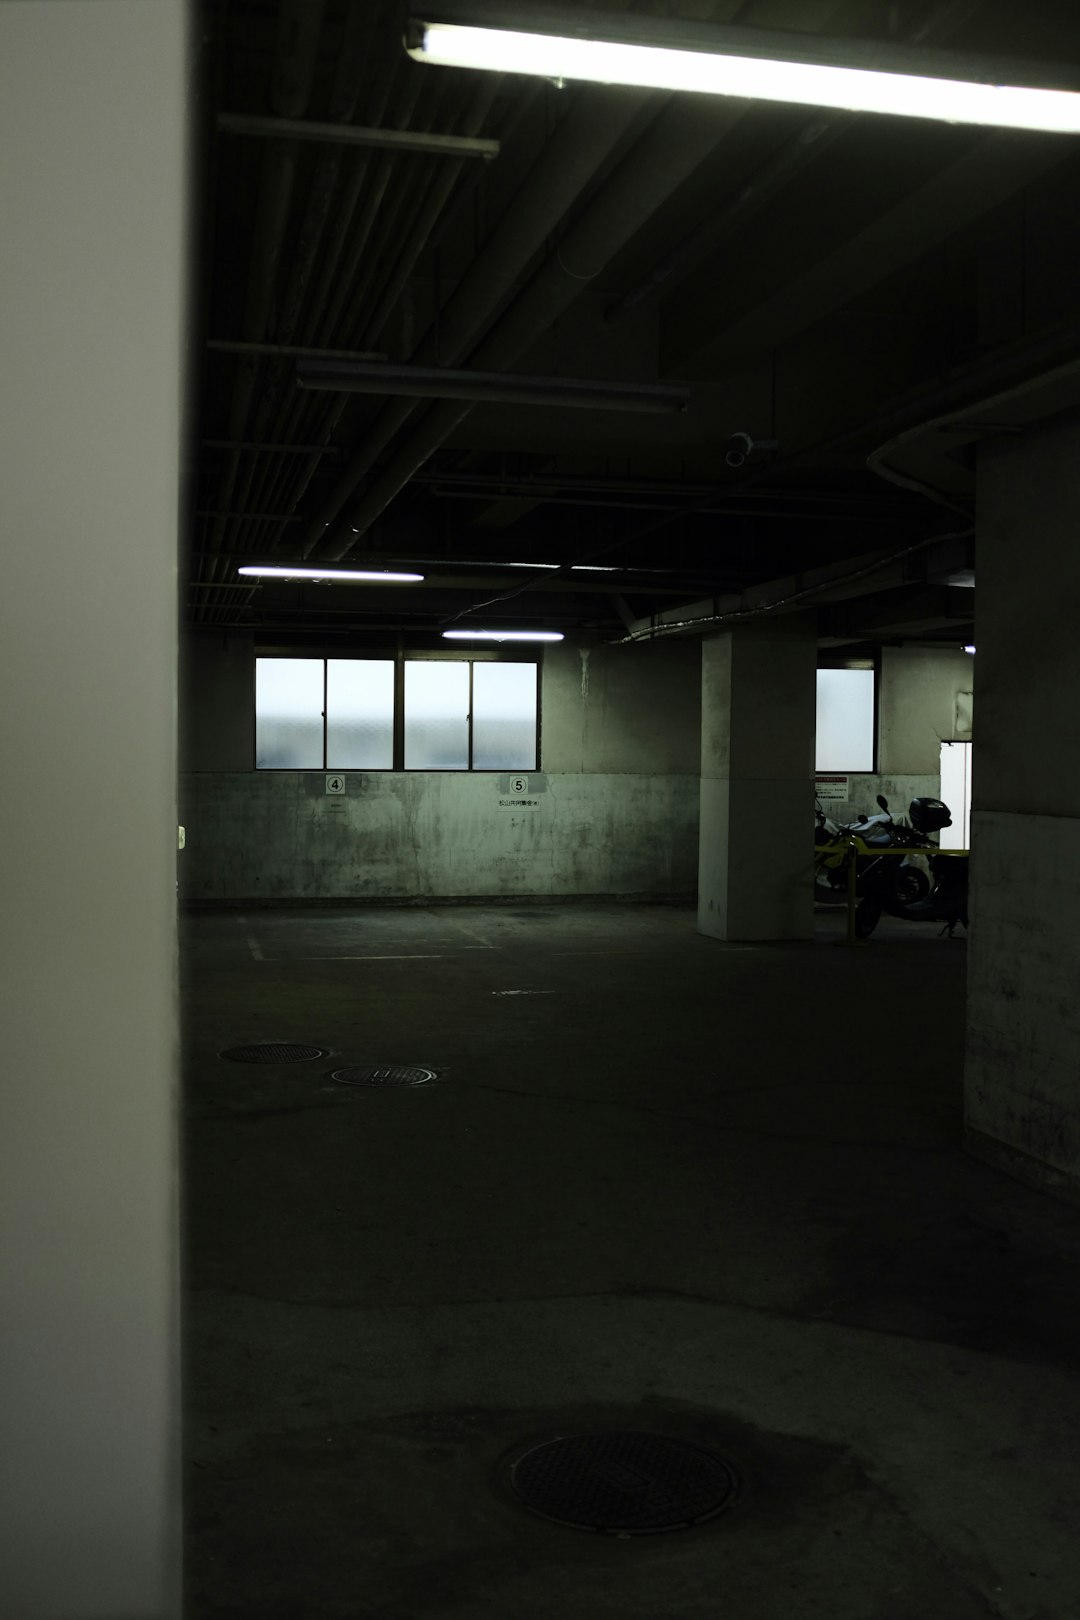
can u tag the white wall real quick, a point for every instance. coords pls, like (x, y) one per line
(92, 194)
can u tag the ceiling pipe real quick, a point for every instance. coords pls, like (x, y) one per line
(384, 140)
(296, 55)
(805, 147)
(684, 135)
(427, 213)
(498, 387)
(323, 204)
(579, 146)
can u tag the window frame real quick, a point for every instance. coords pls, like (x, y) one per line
(400, 658)
(845, 659)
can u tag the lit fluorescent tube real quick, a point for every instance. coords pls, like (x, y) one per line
(370, 576)
(751, 78)
(970, 650)
(503, 635)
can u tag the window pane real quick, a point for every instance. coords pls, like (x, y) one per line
(436, 715)
(288, 713)
(360, 714)
(504, 717)
(845, 720)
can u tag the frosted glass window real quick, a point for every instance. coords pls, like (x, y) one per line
(436, 715)
(845, 720)
(289, 714)
(504, 717)
(360, 714)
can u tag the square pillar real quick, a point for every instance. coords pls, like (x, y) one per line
(758, 715)
(1022, 1080)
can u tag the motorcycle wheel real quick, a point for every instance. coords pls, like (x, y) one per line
(911, 886)
(867, 917)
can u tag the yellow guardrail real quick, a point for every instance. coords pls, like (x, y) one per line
(854, 847)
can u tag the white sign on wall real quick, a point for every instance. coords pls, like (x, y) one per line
(335, 784)
(831, 789)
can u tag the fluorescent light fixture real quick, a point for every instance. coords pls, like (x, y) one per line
(595, 568)
(368, 576)
(503, 635)
(753, 77)
(491, 387)
(970, 650)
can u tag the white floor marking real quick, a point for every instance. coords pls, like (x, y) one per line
(407, 956)
(253, 947)
(523, 992)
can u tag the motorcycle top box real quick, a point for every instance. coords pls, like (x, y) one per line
(929, 815)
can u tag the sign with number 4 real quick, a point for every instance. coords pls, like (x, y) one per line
(335, 784)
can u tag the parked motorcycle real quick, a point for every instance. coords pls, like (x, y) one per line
(882, 890)
(832, 852)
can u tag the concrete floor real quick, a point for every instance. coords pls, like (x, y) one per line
(705, 1190)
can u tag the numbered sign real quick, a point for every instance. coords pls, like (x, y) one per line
(335, 784)
(519, 784)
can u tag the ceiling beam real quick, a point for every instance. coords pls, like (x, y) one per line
(987, 174)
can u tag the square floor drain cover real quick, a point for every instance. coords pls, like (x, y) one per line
(273, 1052)
(623, 1483)
(384, 1074)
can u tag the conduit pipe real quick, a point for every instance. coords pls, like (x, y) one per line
(299, 32)
(684, 135)
(581, 144)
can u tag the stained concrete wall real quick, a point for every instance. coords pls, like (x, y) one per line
(924, 699)
(615, 811)
(92, 192)
(623, 709)
(411, 835)
(1022, 1085)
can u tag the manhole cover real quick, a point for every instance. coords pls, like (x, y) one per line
(624, 1483)
(273, 1052)
(384, 1074)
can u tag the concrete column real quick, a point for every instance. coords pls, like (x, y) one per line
(757, 772)
(1023, 1078)
(92, 198)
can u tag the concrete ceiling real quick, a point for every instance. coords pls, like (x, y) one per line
(829, 282)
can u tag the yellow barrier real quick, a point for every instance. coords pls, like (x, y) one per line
(855, 848)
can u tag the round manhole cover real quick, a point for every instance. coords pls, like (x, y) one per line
(625, 1483)
(384, 1074)
(273, 1052)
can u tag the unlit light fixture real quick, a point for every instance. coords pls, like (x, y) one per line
(741, 64)
(489, 387)
(502, 635)
(368, 576)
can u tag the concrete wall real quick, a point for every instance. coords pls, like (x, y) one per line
(412, 835)
(92, 191)
(1023, 1074)
(924, 699)
(217, 701)
(615, 812)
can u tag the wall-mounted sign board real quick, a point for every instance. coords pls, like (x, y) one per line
(832, 789)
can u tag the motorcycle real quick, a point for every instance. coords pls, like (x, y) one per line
(887, 884)
(832, 852)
